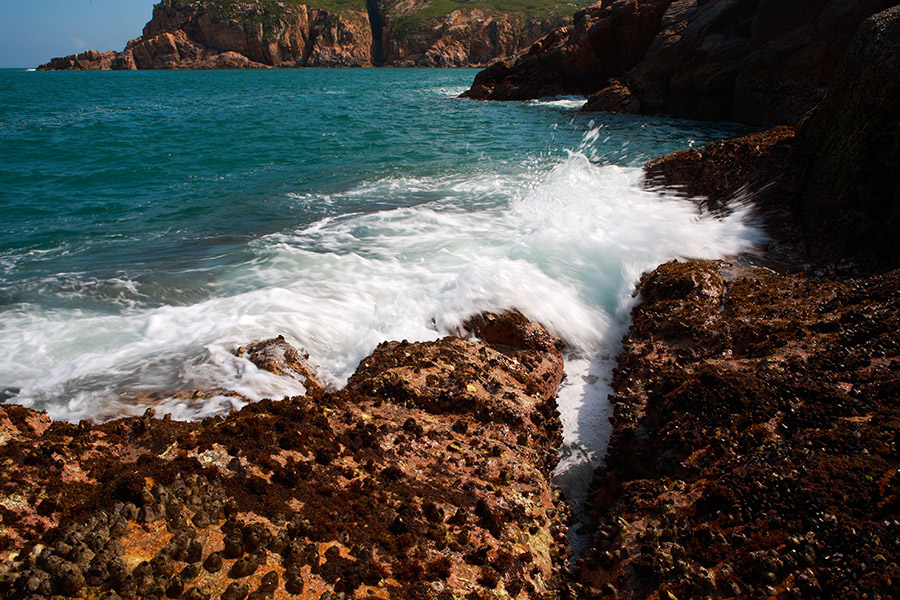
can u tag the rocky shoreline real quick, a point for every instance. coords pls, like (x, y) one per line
(756, 434)
(755, 445)
(426, 477)
(753, 61)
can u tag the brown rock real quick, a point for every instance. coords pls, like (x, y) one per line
(279, 357)
(744, 419)
(89, 60)
(341, 493)
(720, 171)
(186, 34)
(614, 98)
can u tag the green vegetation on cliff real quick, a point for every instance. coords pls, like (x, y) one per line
(530, 9)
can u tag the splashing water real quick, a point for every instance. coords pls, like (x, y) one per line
(404, 239)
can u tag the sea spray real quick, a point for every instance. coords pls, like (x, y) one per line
(565, 246)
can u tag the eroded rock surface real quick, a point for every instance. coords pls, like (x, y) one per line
(755, 443)
(427, 477)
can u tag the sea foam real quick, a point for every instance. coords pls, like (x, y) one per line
(565, 246)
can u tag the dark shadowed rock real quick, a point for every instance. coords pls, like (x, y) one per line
(720, 171)
(831, 191)
(756, 61)
(614, 98)
(851, 199)
(604, 41)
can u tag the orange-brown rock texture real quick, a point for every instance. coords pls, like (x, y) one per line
(756, 428)
(427, 477)
(756, 440)
(208, 34)
(755, 61)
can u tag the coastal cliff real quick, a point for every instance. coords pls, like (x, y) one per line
(209, 34)
(754, 61)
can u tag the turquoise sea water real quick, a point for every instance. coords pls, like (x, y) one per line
(152, 221)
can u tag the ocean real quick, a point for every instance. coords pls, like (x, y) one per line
(154, 221)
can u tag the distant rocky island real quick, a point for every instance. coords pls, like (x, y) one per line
(225, 34)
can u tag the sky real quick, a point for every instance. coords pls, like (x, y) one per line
(34, 31)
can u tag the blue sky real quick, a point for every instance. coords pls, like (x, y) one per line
(34, 31)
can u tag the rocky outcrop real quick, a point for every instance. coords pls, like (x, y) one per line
(829, 189)
(604, 41)
(756, 61)
(277, 356)
(463, 38)
(614, 98)
(90, 60)
(754, 448)
(763, 167)
(427, 477)
(200, 34)
(754, 443)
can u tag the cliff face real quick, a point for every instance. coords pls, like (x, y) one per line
(759, 61)
(198, 34)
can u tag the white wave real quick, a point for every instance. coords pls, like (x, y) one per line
(568, 102)
(565, 246)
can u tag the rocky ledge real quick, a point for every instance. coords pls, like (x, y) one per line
(755, 61)
(426, 477)
(210, 34)
(756, 440)
(756, 428)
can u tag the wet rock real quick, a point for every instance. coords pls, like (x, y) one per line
(278, 356)
(614, 98)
